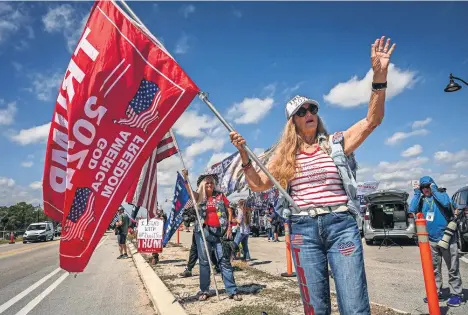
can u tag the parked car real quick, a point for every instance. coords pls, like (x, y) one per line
(41, 231)
(387, 213)
(461, 199)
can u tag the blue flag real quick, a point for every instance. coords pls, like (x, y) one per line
(181, 196)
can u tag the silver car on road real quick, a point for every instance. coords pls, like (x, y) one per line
(387, 215)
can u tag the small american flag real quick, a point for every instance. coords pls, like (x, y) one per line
(142, 109)
(143, 193)
(346, 248)
(80, 216)
(297, 239)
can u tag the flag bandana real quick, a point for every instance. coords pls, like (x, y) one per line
(120, 95)
(181, 197)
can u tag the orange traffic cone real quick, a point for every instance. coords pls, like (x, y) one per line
(12, 238)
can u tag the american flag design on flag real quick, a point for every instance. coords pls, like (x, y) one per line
(142, 109)
(346, 248)
(80, 216)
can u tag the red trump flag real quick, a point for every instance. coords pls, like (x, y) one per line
(120, 95)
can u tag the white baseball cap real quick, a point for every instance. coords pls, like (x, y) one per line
(296, 102)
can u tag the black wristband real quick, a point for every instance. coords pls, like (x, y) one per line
(379, 86)
(248, 163)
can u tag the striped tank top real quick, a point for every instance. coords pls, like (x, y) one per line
(317, 182)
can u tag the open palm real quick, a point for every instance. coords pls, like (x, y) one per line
(380, 54)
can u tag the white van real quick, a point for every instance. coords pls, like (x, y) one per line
(41, 231)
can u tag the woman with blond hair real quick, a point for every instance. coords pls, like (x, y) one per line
(244, 219)
(319, 172)
(215, 215)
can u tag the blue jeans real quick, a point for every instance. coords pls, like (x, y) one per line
(329, 239)
(227, 271)
(269, 233)
(243, 239)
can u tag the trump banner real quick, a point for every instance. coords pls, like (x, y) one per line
(120, 95)
(181, 197)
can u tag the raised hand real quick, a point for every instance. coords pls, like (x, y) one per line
(185, 173)
(380, 57)
(237, 140)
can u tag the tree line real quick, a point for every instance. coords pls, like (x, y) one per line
(18, 217)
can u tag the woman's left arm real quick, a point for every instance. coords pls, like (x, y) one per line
(380, 60)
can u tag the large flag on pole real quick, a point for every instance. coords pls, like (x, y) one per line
(181, 198)
(230, 174)
(120, 95)
(144, 190)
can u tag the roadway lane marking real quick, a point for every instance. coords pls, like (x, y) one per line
(31, 305)
(14, 252)
(12, 301)
(464, 259)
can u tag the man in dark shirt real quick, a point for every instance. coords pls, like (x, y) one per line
(122, 228)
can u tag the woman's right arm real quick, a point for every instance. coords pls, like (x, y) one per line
(185, 175)
(257, 181)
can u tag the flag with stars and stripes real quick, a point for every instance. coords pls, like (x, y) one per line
(80, 216)
(143, 192)
(142, 109)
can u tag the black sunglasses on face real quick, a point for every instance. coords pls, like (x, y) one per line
(425, 186)
(313, 109)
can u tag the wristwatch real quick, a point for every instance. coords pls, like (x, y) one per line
(379, 86)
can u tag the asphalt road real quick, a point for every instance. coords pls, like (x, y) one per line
(394, 274)
(31, 282)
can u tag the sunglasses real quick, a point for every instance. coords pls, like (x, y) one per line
(425, 186)
(313, 109)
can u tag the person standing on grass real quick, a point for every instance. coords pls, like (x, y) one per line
(244, 218)
(122, 230)
(275, 222)
(267, 224)
(319, 172)
(215, 215)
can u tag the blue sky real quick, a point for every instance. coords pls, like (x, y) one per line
(250, 57)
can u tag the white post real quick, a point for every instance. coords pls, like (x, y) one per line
(208, 256)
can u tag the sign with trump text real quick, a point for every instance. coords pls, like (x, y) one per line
(150, 236)
(121, 93)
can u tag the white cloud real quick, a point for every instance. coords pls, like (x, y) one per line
(237, 13)
(45, 86)
(32, 135)
(18, 67)
(356, 91)
(205, 145)
(405, 170)
(258, 151)
(217, 157)
(412, 151)
(192, 125)
(66, 20)
(289, 91)
(8, 182)
(182, 45)
(250, 110)
(418, 124)
(400, 136)
(27, 164)
(35, 185)
(187, 10)
(449, 157)
(10, 193)
(7, 115)
(12, 20)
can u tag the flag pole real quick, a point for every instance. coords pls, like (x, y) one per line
(195, 205)
(204, 97)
